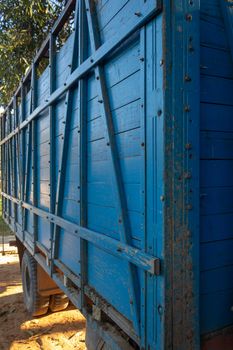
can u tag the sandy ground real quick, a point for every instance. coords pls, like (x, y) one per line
(19, 331)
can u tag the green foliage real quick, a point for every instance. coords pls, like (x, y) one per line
(24, 24)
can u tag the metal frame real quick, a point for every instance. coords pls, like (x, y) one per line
(181, 177)
(82, 150)
(34, 153)
(52, 148)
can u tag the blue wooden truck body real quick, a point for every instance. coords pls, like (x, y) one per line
(117, 167)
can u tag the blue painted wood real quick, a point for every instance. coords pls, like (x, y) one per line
(216, 227)
(119, 191)
(227, 12)
(218, 316)
(216, 178)
(143, 80)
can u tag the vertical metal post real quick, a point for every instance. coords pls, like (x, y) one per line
(3, 165)
(82, 31)
(34, 154)
(23, 168)
(142, 179)
(17, 150)
(15, 160)
(12, 176)
(181, 174)
(8, 166)
(1, 170)
(65, 146)
(52, 174)
(3, 162)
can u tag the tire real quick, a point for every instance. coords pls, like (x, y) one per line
(36, 304)
(58, 302)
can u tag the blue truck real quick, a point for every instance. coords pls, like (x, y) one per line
(117, 173)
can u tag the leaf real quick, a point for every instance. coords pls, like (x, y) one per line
(23, 26)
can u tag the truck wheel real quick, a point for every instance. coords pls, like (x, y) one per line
(58, 302)
(36, 304)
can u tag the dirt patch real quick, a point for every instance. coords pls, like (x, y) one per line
(19, 331)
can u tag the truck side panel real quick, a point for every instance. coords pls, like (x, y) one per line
(104, 129)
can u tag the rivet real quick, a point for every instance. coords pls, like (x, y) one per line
(187, 175)
(188, 146)
(189, 335)
(191, 48)
(189, 207)
(138, 13)
(159, 113)
(108, 143)
(142, 144)
(187, 78)
(100, 101)
(189, 17)
(92, 60)
(187, 108)
(160, 309)
(161, 62)
(142, 59)
(162, 198)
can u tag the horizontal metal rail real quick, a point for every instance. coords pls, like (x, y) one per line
(146, 12)
(110, 245)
